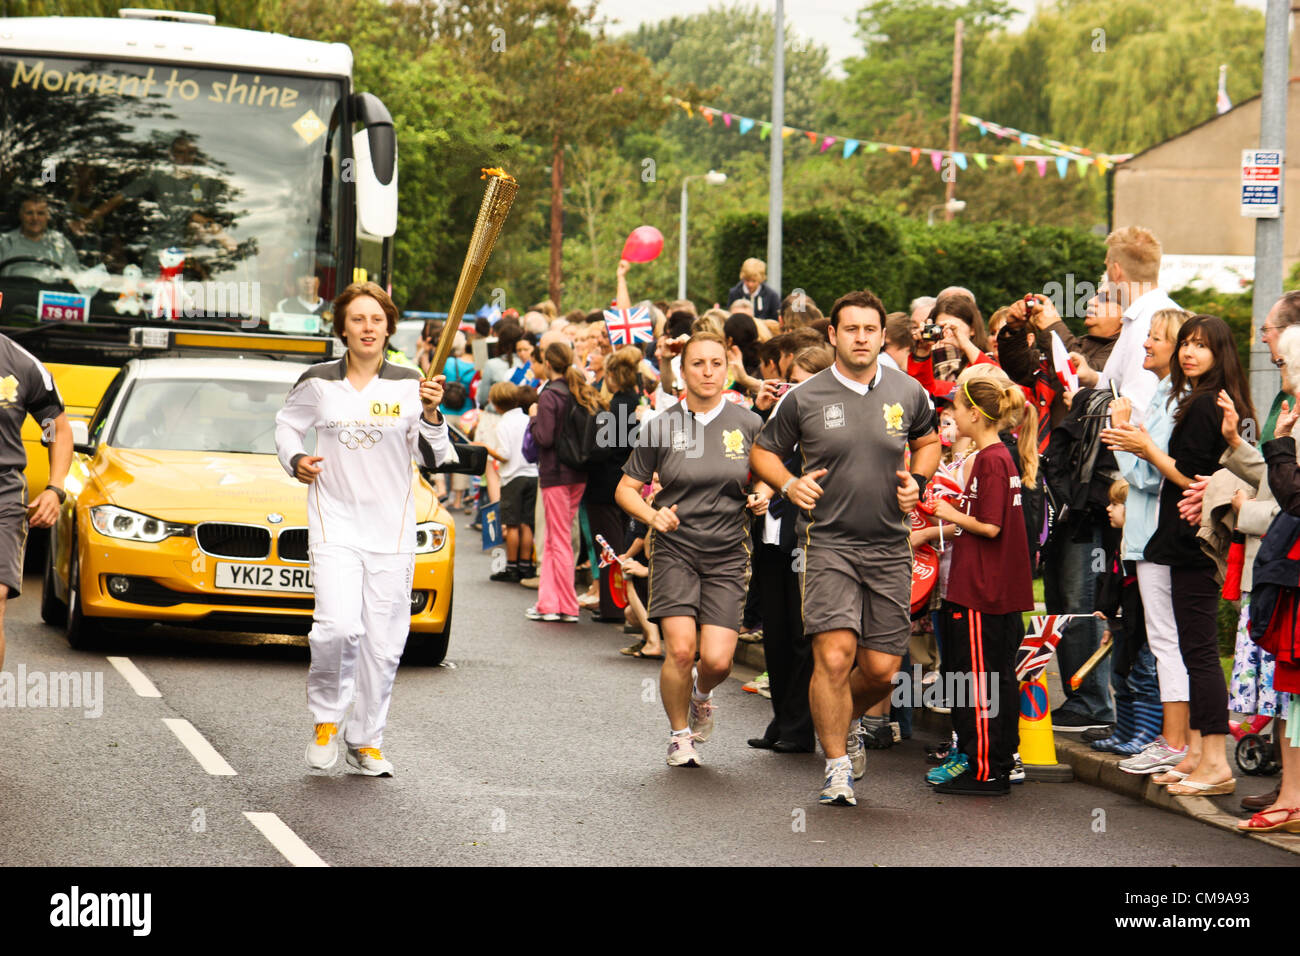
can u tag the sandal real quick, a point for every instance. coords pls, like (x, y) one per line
(633, 649)
(639, 653)
(1168, 777)
(1260, 823)
(1195, 788)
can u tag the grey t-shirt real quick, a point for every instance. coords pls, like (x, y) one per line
(860, 440)
(704, 470)
(52, 246)
(25, 388)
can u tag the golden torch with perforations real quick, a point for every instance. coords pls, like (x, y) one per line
(501, 189)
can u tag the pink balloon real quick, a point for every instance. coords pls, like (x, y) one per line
(644, 244)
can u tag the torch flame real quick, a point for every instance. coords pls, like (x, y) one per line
(499, 172)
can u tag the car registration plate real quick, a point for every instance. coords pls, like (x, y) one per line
(263, 577)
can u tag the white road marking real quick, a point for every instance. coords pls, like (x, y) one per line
(285, 840)
(196, 744)
(142, 685)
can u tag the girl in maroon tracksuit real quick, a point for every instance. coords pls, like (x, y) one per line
(990, 581)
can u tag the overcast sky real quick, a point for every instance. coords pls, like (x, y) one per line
(828, 22)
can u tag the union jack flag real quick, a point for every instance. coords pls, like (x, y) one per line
(1040, 643)
(629, 326)
(607, 553)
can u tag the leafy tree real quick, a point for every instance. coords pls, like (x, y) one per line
(727, 53)
(563, 82)
(1120, 75)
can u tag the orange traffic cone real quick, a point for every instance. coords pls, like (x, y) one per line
(1037, 745)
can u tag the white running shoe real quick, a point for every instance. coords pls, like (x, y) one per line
(369, 761)
(856, 751)
(838, 789)
(681, 751)
(323, 750)
(1156, 758)
(701, 718)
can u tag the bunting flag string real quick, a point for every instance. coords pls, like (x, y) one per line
(1077, 154)
(1062, 154)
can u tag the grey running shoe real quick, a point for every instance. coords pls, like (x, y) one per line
(856, 751)
(838, 789)
(1156, 758)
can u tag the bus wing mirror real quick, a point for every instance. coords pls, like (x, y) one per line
(375, 150)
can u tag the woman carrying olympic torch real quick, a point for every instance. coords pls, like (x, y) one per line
(371, 417)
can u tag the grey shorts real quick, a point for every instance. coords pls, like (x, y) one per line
(709, 587)
(13, 542)
(866, 593)
(518, 501)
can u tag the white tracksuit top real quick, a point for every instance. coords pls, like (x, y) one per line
(363, 495)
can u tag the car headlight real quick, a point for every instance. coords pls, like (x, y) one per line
(117, 522)
(430, 536)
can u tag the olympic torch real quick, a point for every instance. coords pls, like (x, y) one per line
(500, 193)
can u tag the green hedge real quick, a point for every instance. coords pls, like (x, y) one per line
(824, 252)
(829, 252)
(1233, 308)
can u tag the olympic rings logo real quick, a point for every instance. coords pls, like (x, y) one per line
(353, 439)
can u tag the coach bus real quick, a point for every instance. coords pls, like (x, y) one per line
(158, 168)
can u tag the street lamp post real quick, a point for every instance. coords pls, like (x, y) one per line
(713, 178)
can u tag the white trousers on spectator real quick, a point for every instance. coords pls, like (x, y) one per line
(359, 629)
(1162, 632)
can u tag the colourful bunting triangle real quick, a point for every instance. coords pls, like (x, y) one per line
(981, 160)
(746, 124)
(1062, 164)
(849, 146)
(827, 143)
(916, 155)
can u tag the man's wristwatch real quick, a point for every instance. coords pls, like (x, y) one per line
(786, 487)
(59, 492)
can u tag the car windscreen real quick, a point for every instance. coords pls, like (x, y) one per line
(220, 415)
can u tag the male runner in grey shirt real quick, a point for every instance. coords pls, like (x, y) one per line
(26, 388)
(851, 424)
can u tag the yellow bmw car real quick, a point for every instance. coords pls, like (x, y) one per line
(178, 512)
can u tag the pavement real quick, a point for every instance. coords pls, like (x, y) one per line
(1102, 770)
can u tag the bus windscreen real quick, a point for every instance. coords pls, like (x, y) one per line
(146, 192)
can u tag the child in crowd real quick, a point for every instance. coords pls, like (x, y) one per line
(1138, 712)
(518, 478)
(990, 582)
(637, 576)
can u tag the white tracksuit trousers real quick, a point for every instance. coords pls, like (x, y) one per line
(362, 618)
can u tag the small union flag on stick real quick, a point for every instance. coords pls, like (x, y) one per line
(629, 326)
